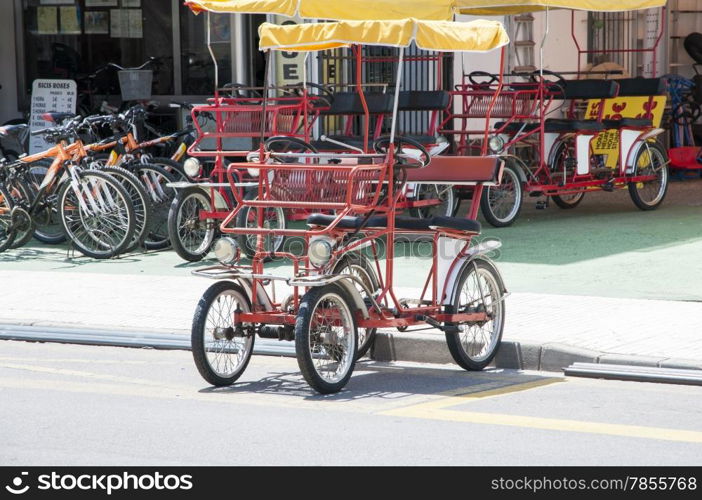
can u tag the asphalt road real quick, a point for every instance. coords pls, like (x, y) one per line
(80, 405)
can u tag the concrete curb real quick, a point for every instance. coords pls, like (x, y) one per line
(389, 346)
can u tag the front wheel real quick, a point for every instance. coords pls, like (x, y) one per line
(479, 289)
(273, 218)
(501, 204)
(650, 160)
(190, 235)
(326, 338)
(221, 348)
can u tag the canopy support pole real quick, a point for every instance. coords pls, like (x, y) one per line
(212, 55)
(397, 95)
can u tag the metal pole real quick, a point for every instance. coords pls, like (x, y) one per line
(212, 55)
(397, 95)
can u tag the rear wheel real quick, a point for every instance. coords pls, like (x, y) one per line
(650, 160)
(7, 234)
(47, 221)
(325, 338)
(361, 267)
(190, 235)
(221, 350)
(501, 204)
(479, 289)
(155, 181)
(23, 224)
(273, 218)
(441, 194)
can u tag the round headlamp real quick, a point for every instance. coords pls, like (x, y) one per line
(192, 167)
(227, 251)
(319, 252)
(496, 144)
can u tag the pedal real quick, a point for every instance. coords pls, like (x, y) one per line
(608, 186)
(542, 205)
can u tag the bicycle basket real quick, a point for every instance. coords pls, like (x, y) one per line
(135, 85)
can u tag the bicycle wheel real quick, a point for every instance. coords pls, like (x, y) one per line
(220, 350)
(155, 179)
(443, 194)
(172, 167)
(97, 215)
(501, 204)
(7, 233)
(650, 160)
(479, 288)
(326, 338)
(190, 235)
(47, 221)
(362, 268)
(273, 218)
(22, 196)
(140, 201)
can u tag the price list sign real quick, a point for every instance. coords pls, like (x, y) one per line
(49, 96)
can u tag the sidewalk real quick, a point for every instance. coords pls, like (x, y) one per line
(542, 331)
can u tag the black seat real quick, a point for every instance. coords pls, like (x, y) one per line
(349, 103)
(557, 125)
(641, 86)
(407, 223)
(628, 122)
(423, 100)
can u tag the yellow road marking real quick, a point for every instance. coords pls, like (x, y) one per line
(86, 361)
(78, 373)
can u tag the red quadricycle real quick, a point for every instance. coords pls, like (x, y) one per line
(605, 140)
(340, 288)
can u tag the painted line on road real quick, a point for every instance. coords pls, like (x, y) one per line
(436, 410)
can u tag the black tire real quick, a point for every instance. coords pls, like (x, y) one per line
(561, 167)
(22, 195)
(443, 192)
(7, 233)
(206, 333)
(190, 236)
(360, 266)
(172, 167)
(47, 221)
(247, 218)
(154, 179)
(569, 201)
(650, 158)
(501, 204)
(140, 201)
(338, 352)
(462, 344)
(109, 231)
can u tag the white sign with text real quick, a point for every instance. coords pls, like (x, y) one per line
(49, 96)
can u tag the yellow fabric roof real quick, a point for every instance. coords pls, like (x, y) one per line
(334, 9)
(501, 7)
(479, 36)
(402, 9)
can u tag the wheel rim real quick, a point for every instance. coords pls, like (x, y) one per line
(478, 340)
(273, 218)
(195, 234)
(443, 193)
(651, 162)
(226, 351)
(96, 218)
(331, 338)
(504, 199)
(571, 199)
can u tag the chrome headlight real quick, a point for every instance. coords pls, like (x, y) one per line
(192, 167)
(320, 251)
(496, 144)
(227, 251)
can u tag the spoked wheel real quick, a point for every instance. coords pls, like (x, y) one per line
(480, 288)
(140, 201)
(155, 181)
(190, 235)
(47, 220)
(326, 338)
(650, 160)
(442, 194)
(562, 168)
(23, 225)
(221, 350)
(98, 216)
(7, 233)
(172, 167)
(501, 204)
(362, 268)
(273, 218)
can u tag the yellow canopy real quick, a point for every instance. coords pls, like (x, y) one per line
(473, 36)
(502, 7)
(334, 9)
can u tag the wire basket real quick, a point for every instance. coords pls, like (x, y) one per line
(135, 84)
